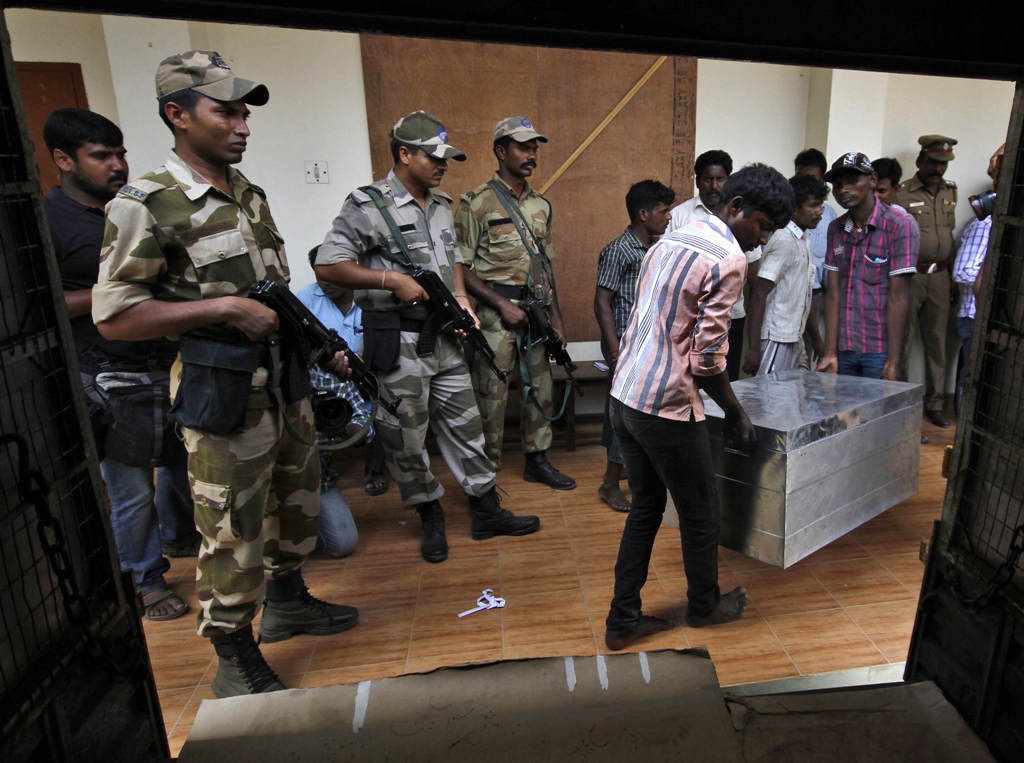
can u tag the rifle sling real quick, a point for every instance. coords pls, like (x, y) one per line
(516, 215)
(428, 334)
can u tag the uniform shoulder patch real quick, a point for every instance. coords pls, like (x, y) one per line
(951, 183)
(133, 193)
(359, 196)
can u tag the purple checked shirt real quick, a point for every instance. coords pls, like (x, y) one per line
(865, 260)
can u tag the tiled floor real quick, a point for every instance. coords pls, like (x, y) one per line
(849, 605)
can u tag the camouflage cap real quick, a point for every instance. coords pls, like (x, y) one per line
(520, 129)
(937, 147)
(206, 72)
(853, 161)
(427, 132)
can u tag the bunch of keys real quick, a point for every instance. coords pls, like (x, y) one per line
(487, 601)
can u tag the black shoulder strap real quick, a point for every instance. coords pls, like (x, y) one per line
(378, 201)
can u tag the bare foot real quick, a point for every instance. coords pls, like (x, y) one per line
(730, 608)
(614, 497)
(646, 627)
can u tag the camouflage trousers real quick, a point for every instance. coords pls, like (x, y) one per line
(492, 393)
(436, 393)
(257, 496)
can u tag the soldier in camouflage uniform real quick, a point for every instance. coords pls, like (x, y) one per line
(504, 270)
(182, 248)
(362, 254)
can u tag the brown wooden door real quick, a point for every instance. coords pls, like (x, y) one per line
(46, 87)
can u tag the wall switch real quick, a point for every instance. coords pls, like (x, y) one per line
(316, 172)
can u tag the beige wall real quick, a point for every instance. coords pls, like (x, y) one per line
(66, 38)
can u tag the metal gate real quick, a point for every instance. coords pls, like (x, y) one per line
(75, 679)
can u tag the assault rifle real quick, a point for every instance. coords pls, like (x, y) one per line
(319, 343)
(541, 327)
(449, 314)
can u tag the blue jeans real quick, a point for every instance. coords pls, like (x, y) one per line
(965, 328)
(338, 535)
(174, 508)
(665, 456)
(866, 364)
(133, 515)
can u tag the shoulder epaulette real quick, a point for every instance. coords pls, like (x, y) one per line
(951, 183)
(133, 193)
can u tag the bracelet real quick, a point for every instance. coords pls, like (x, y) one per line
(382, 277)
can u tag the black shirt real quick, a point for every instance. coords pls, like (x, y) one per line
(77, 233)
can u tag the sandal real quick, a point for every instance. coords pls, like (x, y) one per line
(375, 483)
(151, 599)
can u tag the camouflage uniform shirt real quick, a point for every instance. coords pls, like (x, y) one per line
(489, 241)
(172, 236)
(360, 235)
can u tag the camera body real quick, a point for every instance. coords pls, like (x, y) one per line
(331, 412)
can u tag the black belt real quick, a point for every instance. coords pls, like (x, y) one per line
(410, 324)
(509, 292)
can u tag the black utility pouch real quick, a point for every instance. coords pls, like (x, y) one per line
(381, 340)
(216, 379)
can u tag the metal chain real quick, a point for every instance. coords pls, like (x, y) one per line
(1000, 578)
(33, 489)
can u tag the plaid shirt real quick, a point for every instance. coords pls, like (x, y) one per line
(679, 327)
(865, 262)
(618, 267)
(969, 258)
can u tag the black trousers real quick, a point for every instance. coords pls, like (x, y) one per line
(665, 456)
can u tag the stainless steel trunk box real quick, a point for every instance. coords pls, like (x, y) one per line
(834, 451)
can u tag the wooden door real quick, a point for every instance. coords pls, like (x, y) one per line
(46, 87)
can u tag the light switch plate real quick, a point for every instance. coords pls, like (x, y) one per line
(316, 172)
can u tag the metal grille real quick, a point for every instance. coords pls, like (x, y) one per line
(53, 537)
(985, 502)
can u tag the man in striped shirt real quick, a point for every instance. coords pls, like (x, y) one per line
(872, 254)
(675, 346)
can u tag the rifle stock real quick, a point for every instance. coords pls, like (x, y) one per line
(321, 342)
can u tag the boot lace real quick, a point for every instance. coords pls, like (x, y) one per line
(310, 601)
(256, 673)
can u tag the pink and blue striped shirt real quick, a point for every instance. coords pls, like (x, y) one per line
(679, 327)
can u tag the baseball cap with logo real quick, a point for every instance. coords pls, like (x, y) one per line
(851, 162)
(427, 132)
(520, 129)
(206, 72)
(937, 147)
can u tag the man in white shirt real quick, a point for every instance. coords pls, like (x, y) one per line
(711, 170)
(780, 301)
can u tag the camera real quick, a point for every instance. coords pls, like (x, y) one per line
(983, 204)
(331, 413)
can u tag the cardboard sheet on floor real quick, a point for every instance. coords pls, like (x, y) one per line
(908, 723)
(667, 704)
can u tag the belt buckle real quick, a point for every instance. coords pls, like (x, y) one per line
(933, 268)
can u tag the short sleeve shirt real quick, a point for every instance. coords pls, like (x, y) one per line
(935, 215)
(360, 234)
(488, 238)
(787, 263)
(618, 267)
(172, 236)
(865, 261)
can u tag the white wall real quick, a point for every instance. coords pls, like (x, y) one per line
(755, 112)
(67, 38)
(317, 111)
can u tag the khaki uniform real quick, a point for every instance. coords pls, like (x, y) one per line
(435, 389)
(492, 246)
(172, 236)
(929, 308)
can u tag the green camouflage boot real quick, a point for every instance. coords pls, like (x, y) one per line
(290, 609)
(241, 669)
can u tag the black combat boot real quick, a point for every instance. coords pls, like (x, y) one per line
(433, 543)
(539, 469)
(290, 609)
(489, 519)
(241, 668)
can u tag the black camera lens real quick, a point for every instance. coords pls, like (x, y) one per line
(983, 204)
(331, 413)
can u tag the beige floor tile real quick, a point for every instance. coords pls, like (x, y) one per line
(820, 642)
(785, 592)
(906, 568)
(537, 573)
(552, 536)
(435, 661)
(582, 647)
(172, 703)
(889, 626)
(459, 581)
(860, 581)
(338, 676)
(391, 587)
(438, 630)
(596, 564)
(545, 617)
(382, 636)
(176, 738)
(179, 659)
(743, 651)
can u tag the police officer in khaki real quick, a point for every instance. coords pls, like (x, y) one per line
(931, 199)
(363, 252)
(183, 247)
(504, 232)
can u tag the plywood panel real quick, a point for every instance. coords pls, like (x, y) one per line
(566, 93)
